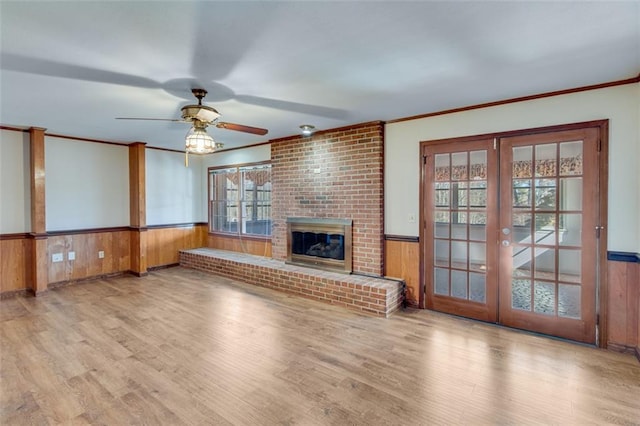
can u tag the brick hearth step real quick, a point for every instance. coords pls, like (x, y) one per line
(377, 296)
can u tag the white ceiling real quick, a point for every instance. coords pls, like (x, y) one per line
(73, 66)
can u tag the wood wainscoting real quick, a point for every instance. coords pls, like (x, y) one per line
(623, 323)
(247, 245)
(165, 241)
(161, 249)
(114, 242)
(402, 260)
(15, 263)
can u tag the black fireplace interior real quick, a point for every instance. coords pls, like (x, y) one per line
(318, 244)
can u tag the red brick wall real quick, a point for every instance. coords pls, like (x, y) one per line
(337, 174)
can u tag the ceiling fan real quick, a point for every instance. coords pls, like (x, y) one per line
(201, 116)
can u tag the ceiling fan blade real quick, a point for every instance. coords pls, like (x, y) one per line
(26, 64)
(150, 119)
(215, 21)
(318, 110)
(242, 128)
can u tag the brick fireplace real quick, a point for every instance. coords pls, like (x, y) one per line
(332, 175)
(320, 243)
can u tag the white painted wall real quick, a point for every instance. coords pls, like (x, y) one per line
(15, 183)
(87, 184)
(174, 192)
(620, 104)
(253, 154)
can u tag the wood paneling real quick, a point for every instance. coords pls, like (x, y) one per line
(624, 306)
(242, 245)
(638, 311)
(137, 185)
(163, 244)
(402, 260)
(38, 201)
(39, 264)
(39, 282)
(15, 265)
(87, 264)
(137, 208)
(138, 247)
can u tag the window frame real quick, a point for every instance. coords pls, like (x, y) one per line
(256, 205)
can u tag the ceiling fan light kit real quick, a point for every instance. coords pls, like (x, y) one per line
(199, 142)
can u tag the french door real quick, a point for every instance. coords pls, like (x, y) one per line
(510, 230)
(460, 250)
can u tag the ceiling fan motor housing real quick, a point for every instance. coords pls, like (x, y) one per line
(201, 116)
(204, 113)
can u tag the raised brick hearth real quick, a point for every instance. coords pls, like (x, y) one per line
(372, 295)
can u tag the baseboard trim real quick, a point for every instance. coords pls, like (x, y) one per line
(169, 265)
(412, 304)
(637, 351)
(12, 294)
(617, 347)
(58, 284)
(139, 274)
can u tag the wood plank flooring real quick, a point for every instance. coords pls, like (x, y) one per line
(181, 347)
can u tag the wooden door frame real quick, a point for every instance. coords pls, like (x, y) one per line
(602, 295)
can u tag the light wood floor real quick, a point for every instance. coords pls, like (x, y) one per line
(183, 347)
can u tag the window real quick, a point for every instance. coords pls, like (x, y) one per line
(240, 200)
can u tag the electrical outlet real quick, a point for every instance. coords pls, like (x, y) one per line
(57, 257)
(71, 255)
(412, 218)
(101, 254)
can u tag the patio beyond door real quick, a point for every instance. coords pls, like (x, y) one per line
(510, 231)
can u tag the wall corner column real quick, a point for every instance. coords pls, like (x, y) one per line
(40, 257)
(137, 208)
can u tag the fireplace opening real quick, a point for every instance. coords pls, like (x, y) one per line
(320, 243)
